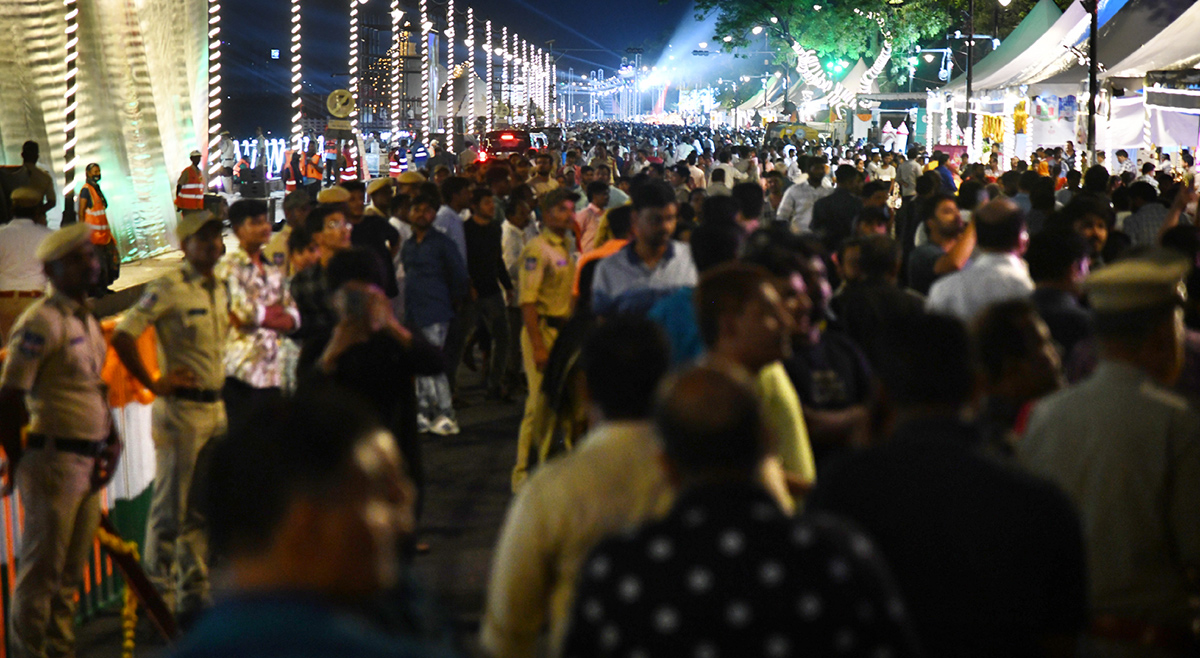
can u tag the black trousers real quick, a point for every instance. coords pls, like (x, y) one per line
(241, 399)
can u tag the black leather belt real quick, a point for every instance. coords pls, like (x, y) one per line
(76, 446)
(197, 395)
(555, 321)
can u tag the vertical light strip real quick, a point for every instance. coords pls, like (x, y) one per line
(397, 62)
(426, 128)
(553, 87)
(505, 87)
(525, 69)
(469, 42)
(488, 93)
(450, 74)
(70, 161)
(297, 77)
(354, 63)
(214, 87)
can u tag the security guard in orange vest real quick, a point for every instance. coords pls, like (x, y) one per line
(93, 209)
(189, 191)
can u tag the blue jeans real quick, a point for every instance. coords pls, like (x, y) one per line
(433, 393)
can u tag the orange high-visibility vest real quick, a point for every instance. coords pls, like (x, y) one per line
(285, 172)
(95, 214)
(191, 193)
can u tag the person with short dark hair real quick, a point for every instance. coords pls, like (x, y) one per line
(1149, 215)
(1021, 365)
(944, 174)
(455, 198)
(436, 281)
(873, 299)
(587, 221)
(327, 225)
(612, 481)
(951, 242)
(652, 265)
(728, 571)
(490, 284)
(833, 215)
(263, 312)
(1092, 217)
(796, 208)
(1058, 265)
(1111, 440)
(749, 197)
(332, 506)
(989, 559)
(997, 273)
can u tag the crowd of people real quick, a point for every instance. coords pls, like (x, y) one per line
(784, 398)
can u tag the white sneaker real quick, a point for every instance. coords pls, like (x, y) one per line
(443, 426)
(423, 424)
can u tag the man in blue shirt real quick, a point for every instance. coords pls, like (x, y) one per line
(435, 283)
(652, 265)
(943, 172)
(456, 197)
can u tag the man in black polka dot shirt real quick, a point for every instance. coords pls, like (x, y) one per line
(726, 573)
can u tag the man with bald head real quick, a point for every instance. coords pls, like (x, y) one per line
(996, 274)
(727, 572)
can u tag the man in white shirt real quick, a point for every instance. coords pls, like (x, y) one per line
(996, 274)
(908, 172)
(732, 175)
(798, 201)
(22, 276)
(611, 482)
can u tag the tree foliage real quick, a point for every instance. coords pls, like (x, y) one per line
(851, 29)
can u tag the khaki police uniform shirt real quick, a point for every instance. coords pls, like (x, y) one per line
(191, 316)
(56, 354)
(546, 276)
(1127, 452)
(275, 252)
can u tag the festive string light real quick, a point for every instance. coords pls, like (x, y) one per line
(297, 78)
(426, 126)
(354, 63)
(505, 80)
(450, 71)
(70, 161)
(214, 86)
(488, 96)
(469, 42)
(397, 63)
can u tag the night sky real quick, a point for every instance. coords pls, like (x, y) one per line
(587, 35)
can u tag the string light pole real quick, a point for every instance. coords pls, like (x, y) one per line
(397, 63)
(70, 160)
(426, 26)
(505, 87)
(214, 87)
(450, 127)
(354, 62)
(469, 42)
(297, 77)
(489, 94)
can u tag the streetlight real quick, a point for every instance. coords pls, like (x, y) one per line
(703, 44)
(727, 38)
(757, 30)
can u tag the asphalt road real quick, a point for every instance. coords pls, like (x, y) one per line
(468, 479)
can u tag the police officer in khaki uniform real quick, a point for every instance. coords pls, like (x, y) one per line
(189, 310)
(547, 272)
(52, 380)
(1126, 449)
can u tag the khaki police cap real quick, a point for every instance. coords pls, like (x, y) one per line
(194, 153)
(64, 241)
(1138, 283)
(557, 196)
(378, 184)
(191, 222)
(410, 178)
(25, 197)
(333, 195)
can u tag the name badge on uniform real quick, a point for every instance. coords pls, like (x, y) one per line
(530, 264)
(32, 344)
(197, 311)
(561, 263)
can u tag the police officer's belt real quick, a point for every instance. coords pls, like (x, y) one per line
(197, 395)
(77, 446)
(555, 321)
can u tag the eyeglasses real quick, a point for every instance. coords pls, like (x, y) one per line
(335, 225)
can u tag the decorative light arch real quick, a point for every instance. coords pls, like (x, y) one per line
(214, 86)
(488, 95)
(354, 30)
(450, 73)
(397, 63)
(297, 78)
(70, 160)
(469, 42)
(838, 96)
